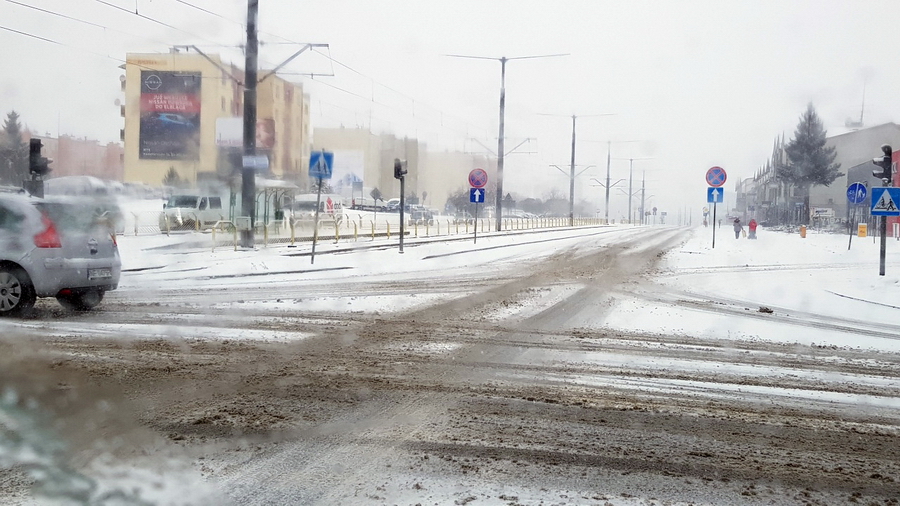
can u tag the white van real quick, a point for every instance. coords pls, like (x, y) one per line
(186, 211)
(331, 207)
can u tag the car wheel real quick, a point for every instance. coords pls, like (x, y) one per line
(83, 301)
(16, 291)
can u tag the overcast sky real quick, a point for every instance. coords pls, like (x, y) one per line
(693, 83)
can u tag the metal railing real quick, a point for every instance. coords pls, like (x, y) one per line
(350, 228)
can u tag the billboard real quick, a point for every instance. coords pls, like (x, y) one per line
(230, 132)
(170, 115)
(349, 168)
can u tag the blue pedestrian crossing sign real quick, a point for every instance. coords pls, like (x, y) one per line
(476, 195)
(715, 195)
(320, 164)
(885, 201)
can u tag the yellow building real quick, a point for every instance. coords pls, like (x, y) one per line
(183, 111)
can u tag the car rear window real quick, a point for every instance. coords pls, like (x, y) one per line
(183, 201)
(75, 217)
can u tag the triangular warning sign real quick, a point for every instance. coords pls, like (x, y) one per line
(885, 203)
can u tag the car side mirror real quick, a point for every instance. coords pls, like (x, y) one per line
(164, 205)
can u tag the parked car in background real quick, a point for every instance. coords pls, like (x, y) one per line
(63, 247)
(331, 207)
(392, 205)
(190, 212)
(420, 214)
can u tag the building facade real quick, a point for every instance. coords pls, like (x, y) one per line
(183, 112)
(73, 156)
(769, 199)
(367, 159)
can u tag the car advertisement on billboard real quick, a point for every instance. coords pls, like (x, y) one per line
(170, 115)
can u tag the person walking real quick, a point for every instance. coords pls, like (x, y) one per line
(738, 228)
(752, 228)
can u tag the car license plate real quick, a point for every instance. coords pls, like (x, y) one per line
(104, 273)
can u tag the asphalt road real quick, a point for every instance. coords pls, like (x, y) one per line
(496, 388)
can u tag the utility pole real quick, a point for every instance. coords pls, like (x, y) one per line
(572, 179)
(630, 174)
(500, 151)
(572, 174)
(608, 154)
(248, 174)
(630, 178)
(503, 61)
(643, 180)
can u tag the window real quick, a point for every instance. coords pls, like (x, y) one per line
(215, 203)
(10, 220)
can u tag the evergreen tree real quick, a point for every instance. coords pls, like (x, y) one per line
(810, 163)
(172, 178)
(13, 152)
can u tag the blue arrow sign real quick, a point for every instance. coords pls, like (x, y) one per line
(476, 195)
(715, 195)
(320, 164)
(856, 193)
(885, 201)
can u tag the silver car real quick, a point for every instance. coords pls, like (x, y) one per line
(55, 247)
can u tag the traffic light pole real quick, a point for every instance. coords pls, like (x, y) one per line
(400, 173)
(883, 232)
(402, 215)
(886, 175)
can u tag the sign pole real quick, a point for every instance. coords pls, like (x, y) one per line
(476, 224)
(714, 226)
(312, 258)
(850, 222)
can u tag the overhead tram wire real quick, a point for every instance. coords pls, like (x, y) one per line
(70, 46)
(89, 23)
(31, 35)
(154, 20)
(59, 14)
(201, 9)
(414, 100)
(328, 56)
(370, 100)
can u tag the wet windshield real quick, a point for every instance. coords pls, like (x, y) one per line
(647, 252)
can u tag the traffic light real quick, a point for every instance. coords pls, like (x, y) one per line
(38, 165)
(399, 168)
(885, 163)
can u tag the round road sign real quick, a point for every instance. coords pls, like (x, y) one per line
(478, 178)
(856, 193)
(716, 177)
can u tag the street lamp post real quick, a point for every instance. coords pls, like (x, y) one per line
(572, 165)
(607, 186)
(608, 159)
(500, 152)
(631, 192)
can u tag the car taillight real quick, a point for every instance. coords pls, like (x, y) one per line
(112, 236)
(49, 238)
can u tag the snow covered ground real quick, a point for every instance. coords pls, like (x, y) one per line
(784, 272)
